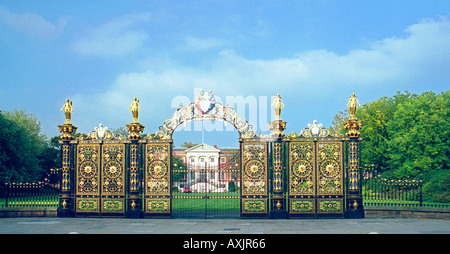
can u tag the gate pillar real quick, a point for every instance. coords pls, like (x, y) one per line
(65, 207)
(354, 206)
(278, 201)
(277, 127)
(134, 209)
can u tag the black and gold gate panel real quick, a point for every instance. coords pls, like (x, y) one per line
(254, 179)
(157, 184)
(100, 179)
(113, 179)
(87, 178)
(316, 178)
(101, 173)
(330, 175)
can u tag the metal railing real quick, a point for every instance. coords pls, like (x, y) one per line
(381, 191)
(40, 194)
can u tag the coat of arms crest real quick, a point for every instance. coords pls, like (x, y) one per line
(205, 102)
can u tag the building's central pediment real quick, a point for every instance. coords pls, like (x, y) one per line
(202, 148)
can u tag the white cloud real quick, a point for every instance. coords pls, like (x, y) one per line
(196, 44)
(32, 24)
(308, 79)
(118, 37)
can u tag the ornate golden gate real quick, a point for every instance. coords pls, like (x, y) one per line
(315, 177)
(254, 179)
(157, 182)
(310, 174)
(100, 176)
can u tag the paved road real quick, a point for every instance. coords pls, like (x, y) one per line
(55, 225)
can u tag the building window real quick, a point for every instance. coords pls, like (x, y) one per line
(212, 160)
(202, 159)
(192, 159)
(223, 159)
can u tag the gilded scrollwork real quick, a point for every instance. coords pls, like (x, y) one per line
(302, 168)
(87, 205)
(113, 205)
(113, 169)
(254, 161)
(302, 206)
(158, 205)
(330, 206)
(88, 165)
(157, 173)
(205, 107)
(253, 206)
(330, 173)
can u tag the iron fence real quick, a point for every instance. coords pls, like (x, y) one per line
(382, 191)
(44, 193)
(376, 190)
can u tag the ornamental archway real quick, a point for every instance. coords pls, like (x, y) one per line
(205, 107)
(250, 176)
(310, 174)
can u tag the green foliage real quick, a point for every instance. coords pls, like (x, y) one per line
(231, 186)
(121, 131)
(12, 143)
(188, 144)
(25, 153)
(437, 186)
(420, 131)
(179, 168)
(337, 125)
(405, 135)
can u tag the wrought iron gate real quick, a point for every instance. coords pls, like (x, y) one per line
(310, 174)
(254, 175)
(157, 174)
(205, 191)
(100, 178)
(315, 176)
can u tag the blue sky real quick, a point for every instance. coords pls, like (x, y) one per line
(101, 54)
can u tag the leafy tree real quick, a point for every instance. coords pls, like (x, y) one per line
(120, 131)
(337, 125)
(188, 144)
(18, 158)
(25, 153)
(231, 186)
(375, 116)
(405, 135)
(178, 165)
(437, 186)
(419, 134)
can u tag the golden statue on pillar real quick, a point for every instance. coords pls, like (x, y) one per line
(67, 129)
(352, 104)
(135, 127)
(277, 126)
(352, 124)
(67, 110)
(278, 106)
(134, 108)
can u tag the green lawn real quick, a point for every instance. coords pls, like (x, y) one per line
(404, 203)
(195, 202)
(30, 201)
